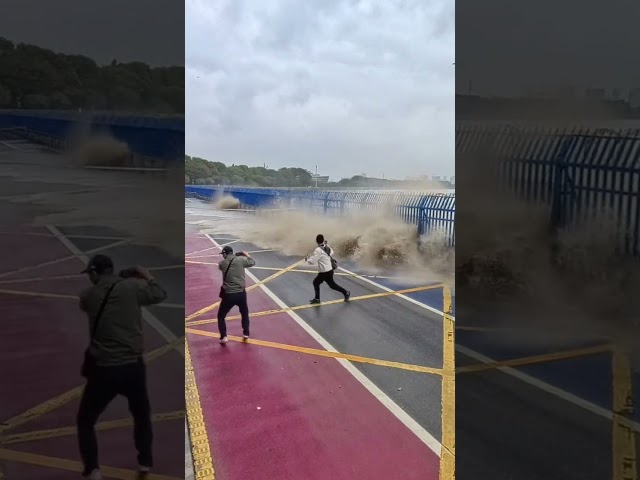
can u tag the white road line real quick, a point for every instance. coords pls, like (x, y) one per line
(151, 319)
(393, 407)
(546, 387)
(6, 144)
(400, 295)
(563, 394)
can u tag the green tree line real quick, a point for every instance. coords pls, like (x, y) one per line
(32, 77)
(199, 171)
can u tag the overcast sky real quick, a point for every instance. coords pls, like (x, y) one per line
(151, 31)
(546, 44)
(351, 86)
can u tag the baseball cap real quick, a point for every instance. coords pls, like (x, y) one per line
(99, 264)
(227, 250)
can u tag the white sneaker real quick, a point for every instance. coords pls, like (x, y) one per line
(143, 470)
(245, 337)
(94, 475)
(223, 340)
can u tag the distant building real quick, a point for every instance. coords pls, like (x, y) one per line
(318, 179)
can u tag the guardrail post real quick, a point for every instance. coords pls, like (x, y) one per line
(422, 216)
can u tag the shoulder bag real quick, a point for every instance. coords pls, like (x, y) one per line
(89, 363)
(224, 277)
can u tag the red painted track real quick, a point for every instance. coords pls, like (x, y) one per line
(42, 343)
(287, 415)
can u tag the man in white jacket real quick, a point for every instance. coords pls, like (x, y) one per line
(322, 257)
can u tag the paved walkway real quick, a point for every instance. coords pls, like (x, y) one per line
(44, 336)
(346, 391)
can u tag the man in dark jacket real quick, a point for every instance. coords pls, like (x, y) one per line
(233, 287)
(114, 362)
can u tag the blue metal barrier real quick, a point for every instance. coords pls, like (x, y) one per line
(429, 212)
(154, 137)
(580, 173)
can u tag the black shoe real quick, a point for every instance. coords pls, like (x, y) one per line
(347, 296)
(315, 301)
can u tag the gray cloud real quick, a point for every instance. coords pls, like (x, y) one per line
(150, 31)
(352, 86)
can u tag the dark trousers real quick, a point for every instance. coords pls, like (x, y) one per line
(230, 300)
(326, 277)
(103, 385)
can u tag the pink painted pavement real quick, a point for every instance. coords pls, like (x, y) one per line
(287, 415)
(42, 344)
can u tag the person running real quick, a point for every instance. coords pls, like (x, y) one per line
(322, 257)
(233, 291)
(113, 363)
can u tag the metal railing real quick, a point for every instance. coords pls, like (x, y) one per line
(160, 138)
(430, 213)
(580, 173)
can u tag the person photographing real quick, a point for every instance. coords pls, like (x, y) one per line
(113, 363)
(322, 256)
(233, 291)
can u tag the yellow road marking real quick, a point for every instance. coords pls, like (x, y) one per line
(324, 353)
(167, 267)
(315, 305)
(73, 466)
(189, 254)
(49, 235)
(448, 452)
(255, 285)
(25, 293)
(76, 275)
(40, 279)
(64, 259)
(465, 328)
(70, 431)
(624, 444)
(534, 359)
(38, 294)
(179, 306)
(200, 449)
(315, 272)
(66, 397)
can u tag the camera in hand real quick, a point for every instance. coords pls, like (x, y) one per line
(238, 254)
(131, 272)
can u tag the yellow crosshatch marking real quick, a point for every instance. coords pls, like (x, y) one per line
(316, 305)
(252, 287)
(29, 293)
(72, 430)
(324, 353)
(70, 395)
(535, 359)
(8, 455)
(73, 466)
(447, 372)
(63, 259)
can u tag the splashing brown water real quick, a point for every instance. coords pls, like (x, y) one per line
(376, 240)
(512, 265)
(225, 202)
